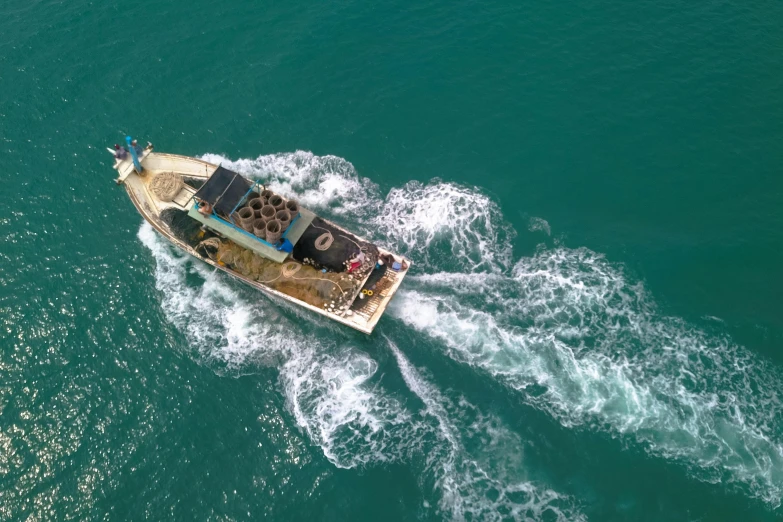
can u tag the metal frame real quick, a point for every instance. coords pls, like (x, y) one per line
(248, 234)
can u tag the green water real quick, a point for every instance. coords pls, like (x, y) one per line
(590, 194)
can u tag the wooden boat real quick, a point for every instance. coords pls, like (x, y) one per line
(203, 209)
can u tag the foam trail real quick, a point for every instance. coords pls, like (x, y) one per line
(467, 491)
(564, 327)
(444, 217)
(581, 342)
(332, 400)
(330, 392)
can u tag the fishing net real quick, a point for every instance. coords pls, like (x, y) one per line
(329, 290)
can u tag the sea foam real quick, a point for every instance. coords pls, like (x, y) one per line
(467, 490)
(576, 339)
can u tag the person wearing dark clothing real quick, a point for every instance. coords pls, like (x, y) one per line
(119, 152)
(137, 148)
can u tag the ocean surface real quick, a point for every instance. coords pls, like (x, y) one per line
(590, 192)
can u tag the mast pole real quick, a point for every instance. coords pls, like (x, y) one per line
(134, 156)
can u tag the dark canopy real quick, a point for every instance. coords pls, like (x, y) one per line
(224, 190)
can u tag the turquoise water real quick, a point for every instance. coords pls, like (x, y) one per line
(591, 197)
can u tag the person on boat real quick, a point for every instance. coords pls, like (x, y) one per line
(205, 208)
(119, 152)
(137, 148)
(356, 262)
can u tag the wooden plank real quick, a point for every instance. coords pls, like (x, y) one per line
(184, 195)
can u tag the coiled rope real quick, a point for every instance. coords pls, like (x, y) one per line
(289, 269)
(324, 241)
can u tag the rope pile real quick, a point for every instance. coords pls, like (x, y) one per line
(166, 185)
(207, 244)
(212, 242)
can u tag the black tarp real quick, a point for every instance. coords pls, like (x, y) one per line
(224, 190)
(344, 247)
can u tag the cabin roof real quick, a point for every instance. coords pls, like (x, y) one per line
(224, 190)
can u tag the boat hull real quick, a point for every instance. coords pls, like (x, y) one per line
(363, 318)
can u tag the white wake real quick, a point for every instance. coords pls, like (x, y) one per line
(565, 329)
